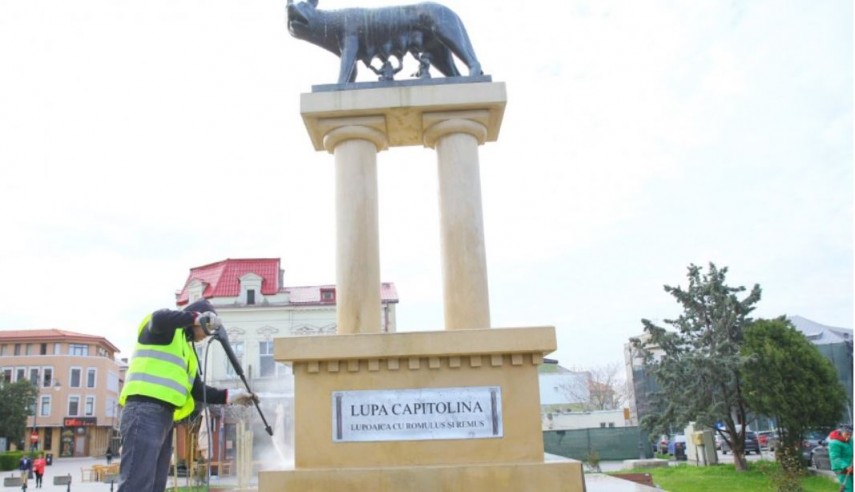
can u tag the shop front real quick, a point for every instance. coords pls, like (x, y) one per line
(75, 436)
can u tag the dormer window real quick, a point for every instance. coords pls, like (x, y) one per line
(195, 290)
(250, 289)
(327, 295)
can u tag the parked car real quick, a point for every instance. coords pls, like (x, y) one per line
(751, 444)
(768, 439)
(812, 440)
(819, 457)
(662, 446)
(677, 444)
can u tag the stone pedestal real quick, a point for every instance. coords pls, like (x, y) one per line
(507, 456)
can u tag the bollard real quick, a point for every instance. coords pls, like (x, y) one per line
(63, 480)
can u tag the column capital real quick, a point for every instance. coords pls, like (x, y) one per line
(403, 108)
(337, 130)
(444, 123)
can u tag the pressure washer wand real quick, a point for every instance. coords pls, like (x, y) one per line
(221, 336)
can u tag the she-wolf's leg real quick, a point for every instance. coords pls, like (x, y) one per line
(453, 34)
(347, 69)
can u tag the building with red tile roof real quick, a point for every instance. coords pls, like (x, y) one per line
(78, 380)
(251, 282)
(256, 307)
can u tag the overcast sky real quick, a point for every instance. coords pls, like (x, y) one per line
(139, 139)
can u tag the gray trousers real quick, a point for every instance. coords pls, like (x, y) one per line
(146, 429)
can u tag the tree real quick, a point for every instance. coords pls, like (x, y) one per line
(787, 378)
(698, 364)
(16, 400)
(598, 388)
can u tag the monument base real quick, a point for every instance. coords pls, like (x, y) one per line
(420, 411)
(549, 476)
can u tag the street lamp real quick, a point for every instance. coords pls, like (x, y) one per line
(34, 436)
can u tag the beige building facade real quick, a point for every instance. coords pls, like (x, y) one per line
(78, 379)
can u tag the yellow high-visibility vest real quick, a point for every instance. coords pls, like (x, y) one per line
(164, 372)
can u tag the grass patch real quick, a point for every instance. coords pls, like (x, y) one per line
(760, 477)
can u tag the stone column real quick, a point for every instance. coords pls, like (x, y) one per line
(456, 136)
(355, 143)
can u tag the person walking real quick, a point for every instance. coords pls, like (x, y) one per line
(840, 455)
(109, 455)
(39, 469)
(25, 465)
(161, 387)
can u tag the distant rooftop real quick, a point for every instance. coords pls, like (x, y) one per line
(52, 335)
(820, 334)
(222, 279)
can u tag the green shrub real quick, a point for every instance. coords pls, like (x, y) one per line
(593, 460)
(9, 460)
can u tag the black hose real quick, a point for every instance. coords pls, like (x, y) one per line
(221, 336)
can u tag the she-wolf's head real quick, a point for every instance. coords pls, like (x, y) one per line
(300, 17)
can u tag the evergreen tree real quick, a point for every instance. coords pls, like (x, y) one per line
(697, 364)
(16, 401)
(787, 378)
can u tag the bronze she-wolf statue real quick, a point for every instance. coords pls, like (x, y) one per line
(429, 31)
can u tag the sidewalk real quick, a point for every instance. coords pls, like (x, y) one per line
(73, 466)
(64, 467)
(596, 482)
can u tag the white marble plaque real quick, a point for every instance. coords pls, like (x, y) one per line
(473, 412)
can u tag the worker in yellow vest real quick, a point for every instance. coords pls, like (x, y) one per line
(161, 387)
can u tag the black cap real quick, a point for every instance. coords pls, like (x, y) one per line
(200, 306)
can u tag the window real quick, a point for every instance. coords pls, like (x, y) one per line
(7, 374)
(73, 405)
(89, 408)
(250, 296)
(328, 295)
(90, 377)
(31, 348)
(112, 408)
(57, 348)
(45, 406)
(237, 348)
(47, 377)
(34, 376)
(113, 382)
(17, 349)
(78, 349)
(43, 349)
(2, 350)
(265, 354)
(20, 374)
(74, 380)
